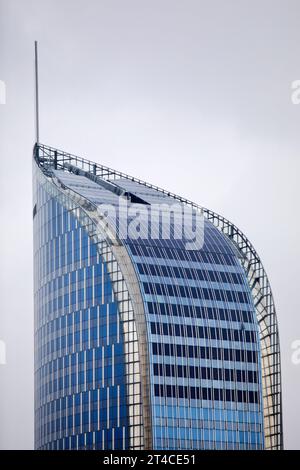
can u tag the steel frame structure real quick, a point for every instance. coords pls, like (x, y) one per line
(48, 158)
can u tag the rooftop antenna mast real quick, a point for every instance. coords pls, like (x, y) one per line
(37, 125)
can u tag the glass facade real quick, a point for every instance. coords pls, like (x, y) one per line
(87, 385)
(80, 368)
(139, 341)
(203, 342)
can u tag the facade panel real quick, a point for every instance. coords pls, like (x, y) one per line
(79, 365)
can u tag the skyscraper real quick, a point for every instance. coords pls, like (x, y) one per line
(155, 326)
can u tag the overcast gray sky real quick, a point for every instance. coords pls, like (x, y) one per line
(194, 96)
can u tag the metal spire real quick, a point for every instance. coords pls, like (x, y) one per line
(37, 125)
